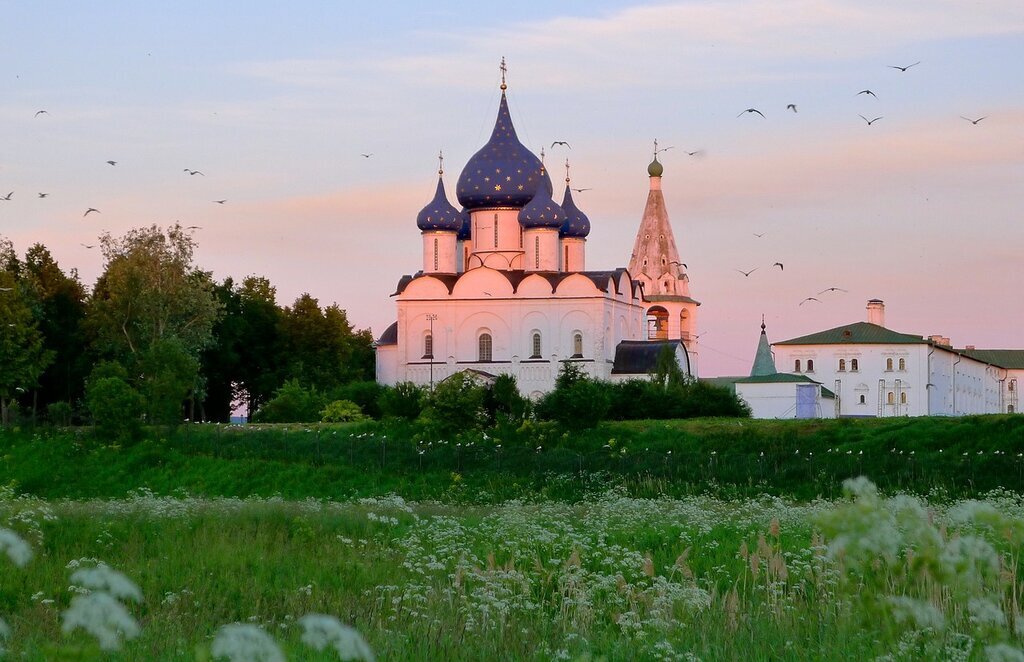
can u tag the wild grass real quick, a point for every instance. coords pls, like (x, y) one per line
(609, 575)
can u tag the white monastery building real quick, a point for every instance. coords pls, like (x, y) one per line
(504, 286)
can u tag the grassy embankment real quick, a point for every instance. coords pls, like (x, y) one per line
(802, 459)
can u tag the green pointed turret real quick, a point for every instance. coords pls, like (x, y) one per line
(764, 362)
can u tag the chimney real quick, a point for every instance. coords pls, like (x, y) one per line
(969, 347)
(876, 312)
(940, 340)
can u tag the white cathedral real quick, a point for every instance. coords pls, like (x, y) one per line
(504, 287)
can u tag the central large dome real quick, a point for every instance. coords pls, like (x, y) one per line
(503, 173)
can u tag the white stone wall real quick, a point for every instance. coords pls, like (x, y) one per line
(778, 400)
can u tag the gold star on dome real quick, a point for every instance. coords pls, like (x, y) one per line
(508, 178)
(497, 187)
(520, 187)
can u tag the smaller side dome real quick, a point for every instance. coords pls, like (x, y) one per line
(542, 211)
(576, 222)
(655, 169)
(465, 232)
(439, 214)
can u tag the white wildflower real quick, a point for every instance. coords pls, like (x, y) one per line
(919, 613)
(985, 612)
(105, 578)
(322, 631)
(103, 617)
(16, 549)
(1003, 653)
(245, 643)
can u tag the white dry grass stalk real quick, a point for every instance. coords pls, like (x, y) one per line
(322, 631)
(106, 579)
(17, 550)
(102, 616)
(4, 633)
(242, 642)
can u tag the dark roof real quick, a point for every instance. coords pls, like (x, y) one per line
(863, 333)
(599, 278)
(1011, 359)
(783, 378)
(655, 298)
(640, 357)
(390, 335)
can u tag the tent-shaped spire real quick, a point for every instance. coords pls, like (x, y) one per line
(764, 362)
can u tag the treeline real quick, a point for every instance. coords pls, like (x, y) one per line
(156, 339)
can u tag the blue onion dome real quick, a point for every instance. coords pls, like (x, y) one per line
(465, 232)
(542, 211)
(576, 222)
(503, 173)
(439, 214)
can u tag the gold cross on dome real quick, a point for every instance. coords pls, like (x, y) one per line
(440, 163)
(504, 70)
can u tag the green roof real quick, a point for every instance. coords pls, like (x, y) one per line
(1012, 359)
(863, 333)
(764, 363)
(783, 378)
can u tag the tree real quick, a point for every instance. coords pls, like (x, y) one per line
(149, 295)
(260, 347)
(323, 349)
(22, 354)
(115, 406)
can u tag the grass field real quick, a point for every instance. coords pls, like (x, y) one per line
(607, 577)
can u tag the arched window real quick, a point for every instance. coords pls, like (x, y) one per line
(428, 346)
(903, 398)
(484, 347)
(903, 364)
(810, 365)
(536, 346)
(862, 400)
(842, 365)
(888, 365)
(853, 365)
(657, 323)
(577, 345)
(891, 398)
(1013, 384)
(796, 365)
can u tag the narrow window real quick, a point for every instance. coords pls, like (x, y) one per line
(842, 365)
(1013, 384)
(536, 252)
(903, 398)
(484, 349)
(435, 253)
(891, 398)
(853, 365)
(428, 346)
(796, 366)
(465, 259)
(565, 267)
(862, 400)
(810, 365)
(903, 364)
(495, 230)
(520, 236)
(536, 346)
(888, 365)
(577, 345)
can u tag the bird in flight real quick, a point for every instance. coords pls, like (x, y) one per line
(366, 156)
(113, 163)
(220, 202)
(780, 266)
(791, 106)
(866, 92)
(43, 195)
(973, 121)
(833, 289)
(751, 110)
(40, 112)
(88, 245)
(194, 227)
(759, 234)
(808, 299)
(664, 149)
(694, 153)
(581, 190)
(746, 273)
(8, 196)
(89, 211)
(193, 172)
(896, 66)
(682, 264)
(870, 122)
(561, 142)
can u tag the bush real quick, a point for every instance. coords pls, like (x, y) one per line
(342, 411)
(578, 402)
(503, 402)
(366, 394)
(456, 405)
(403, 400)
(115, 406)
(59, 413)
(292, 403)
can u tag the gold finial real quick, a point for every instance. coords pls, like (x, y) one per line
(440, 163)
(504, 69)
(542, 160)
(567, 171)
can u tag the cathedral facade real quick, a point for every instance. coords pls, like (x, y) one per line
(504, 286)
